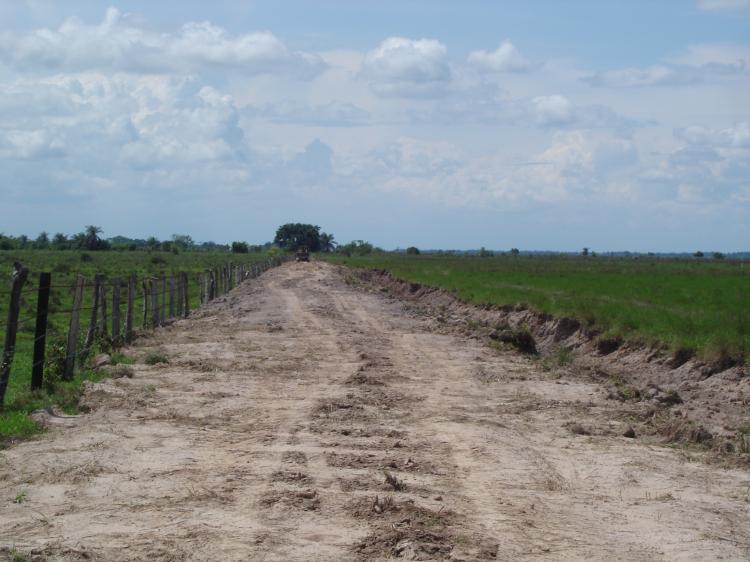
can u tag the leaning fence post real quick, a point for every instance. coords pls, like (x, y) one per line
(40, 334)
(116, 312)
(130, 311)
(70, 354)
(20, 274)
(94, 316)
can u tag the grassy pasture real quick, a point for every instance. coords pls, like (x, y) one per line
(65, 266)
(702, 306)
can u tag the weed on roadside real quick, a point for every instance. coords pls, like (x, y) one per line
(155, 358)
(393, 482)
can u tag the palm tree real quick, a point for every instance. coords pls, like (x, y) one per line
(91, 240)
(327, 243)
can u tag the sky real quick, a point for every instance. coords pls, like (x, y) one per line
(541, 125)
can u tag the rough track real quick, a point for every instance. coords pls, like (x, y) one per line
(269, 434)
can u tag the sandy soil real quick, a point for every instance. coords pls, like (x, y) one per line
(301, 418)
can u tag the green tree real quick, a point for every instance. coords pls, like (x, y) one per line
(356, 247)
(60, 241)
(327, 243)
(42, 241)
(698, 254)
(91, 240)
(152, 242)
(515, 252)
(183, 241)
(240, 248)
(412, 251)
(293, 236)
(6, 242)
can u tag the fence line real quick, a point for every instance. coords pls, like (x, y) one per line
(162, 299)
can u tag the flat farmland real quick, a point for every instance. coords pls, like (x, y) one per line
(701, 307)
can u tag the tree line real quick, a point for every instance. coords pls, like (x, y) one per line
(290, 237)
(90, 239)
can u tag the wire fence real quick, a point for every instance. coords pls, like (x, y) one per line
(117, 311)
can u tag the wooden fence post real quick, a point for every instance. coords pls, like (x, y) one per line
(155, 302)
(70, 354)
(96, 295)
(20, 274)
(130, 311)
(116, 312)
(40, 334)
(146, 300)
(163, 309)
(103, 305)
(180, 298)
(186, 294)
(171, 295)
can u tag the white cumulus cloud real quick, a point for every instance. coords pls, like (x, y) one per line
(506, 58)
(119, 44)
(407, 68)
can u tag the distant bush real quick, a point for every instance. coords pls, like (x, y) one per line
(485, 253)
(356, 248)
(240, 248)
(412, 251)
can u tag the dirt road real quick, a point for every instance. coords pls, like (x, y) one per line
(301, 418)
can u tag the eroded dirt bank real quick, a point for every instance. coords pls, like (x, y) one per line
(668, 398)
(300, 418)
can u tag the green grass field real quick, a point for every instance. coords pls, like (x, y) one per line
(65, 266)
(702, 306)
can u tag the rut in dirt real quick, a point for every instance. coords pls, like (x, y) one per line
(303, 418)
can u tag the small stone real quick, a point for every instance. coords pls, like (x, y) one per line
(629, 432)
